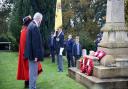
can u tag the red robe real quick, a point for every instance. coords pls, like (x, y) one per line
(23, 68)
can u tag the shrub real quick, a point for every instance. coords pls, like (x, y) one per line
(9, 38)
(3, 38)
(14, 44)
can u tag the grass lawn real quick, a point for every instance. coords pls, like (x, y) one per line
(49, 79)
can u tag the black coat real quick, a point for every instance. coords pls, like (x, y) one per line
(50, 44)
(74, 50)
(59, 42)
(69, 45)
(34, 46)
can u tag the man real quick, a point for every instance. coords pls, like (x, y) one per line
(98, 39)
(52, 46)
(77, 50)
(69, 45)
(34, 49)
(59, 49)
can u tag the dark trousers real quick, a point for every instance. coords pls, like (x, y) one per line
(26, 83)
(77, 57)
(70, 59)
(52, 52)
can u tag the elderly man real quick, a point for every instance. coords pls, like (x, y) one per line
(34, 49)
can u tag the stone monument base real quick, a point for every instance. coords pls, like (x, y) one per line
(110, 72)
(93, 82)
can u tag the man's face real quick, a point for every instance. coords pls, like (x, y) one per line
(70, 37)
(77, 39)
(39, 21)
(60, 29)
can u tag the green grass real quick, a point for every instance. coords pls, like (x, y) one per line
(49, 79)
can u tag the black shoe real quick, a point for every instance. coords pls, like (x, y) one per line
(60, 70)
(26, 84)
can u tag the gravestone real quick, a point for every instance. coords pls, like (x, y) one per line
(115, 43)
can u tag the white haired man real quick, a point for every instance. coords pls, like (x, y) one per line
(34, 49)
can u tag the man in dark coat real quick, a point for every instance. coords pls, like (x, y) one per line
(77, 50)
(52, 46)
(98, 39)
(69, 46)
(59, 49)
(34, 49)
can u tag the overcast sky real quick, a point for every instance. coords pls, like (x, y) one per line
(1, 1)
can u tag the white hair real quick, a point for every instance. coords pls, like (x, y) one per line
(38, 16)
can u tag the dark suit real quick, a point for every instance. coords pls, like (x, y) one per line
(75, 52)
(59, 44)
(52, 47)
(98, 39)
(69, 46)
(33, 50)
(34, 46)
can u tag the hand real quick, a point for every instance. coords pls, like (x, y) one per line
(54, 34)
(36, 59)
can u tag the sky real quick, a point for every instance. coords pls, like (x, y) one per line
(1, 2)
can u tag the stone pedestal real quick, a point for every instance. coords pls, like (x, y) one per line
(115, 43)
(110, 72)
(115, 33)
(92, 82)
(117, 56)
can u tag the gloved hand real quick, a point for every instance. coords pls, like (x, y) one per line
(36, 60)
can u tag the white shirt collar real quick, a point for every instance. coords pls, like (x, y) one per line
(36, 23)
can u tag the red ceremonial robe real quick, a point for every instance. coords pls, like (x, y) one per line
(23, 68)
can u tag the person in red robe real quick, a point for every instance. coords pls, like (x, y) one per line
(23, 64)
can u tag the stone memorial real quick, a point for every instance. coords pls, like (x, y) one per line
(113, 71)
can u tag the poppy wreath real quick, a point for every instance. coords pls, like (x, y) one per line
(96, 53)
(99, 54)
(83, 63)
(89, 67)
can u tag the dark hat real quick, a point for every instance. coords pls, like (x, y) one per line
(27, 19)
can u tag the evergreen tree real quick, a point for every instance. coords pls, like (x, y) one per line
(5, 8)
(23, 8)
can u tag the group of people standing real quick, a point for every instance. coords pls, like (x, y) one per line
(58, 44)
(31, 50)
